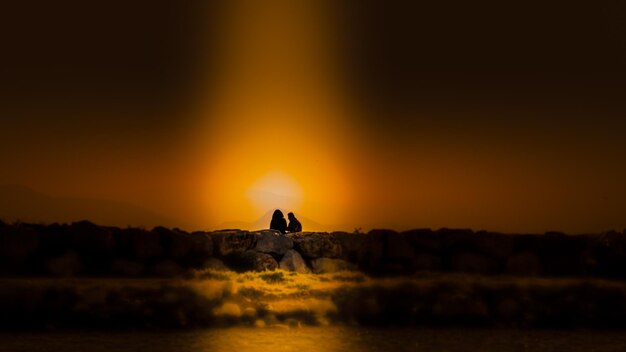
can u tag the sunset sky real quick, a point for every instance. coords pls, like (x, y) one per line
(374, 114)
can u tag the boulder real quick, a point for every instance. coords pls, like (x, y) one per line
(525, 264)
(562, 255)
(66, 265)
(330, 265)
(427, 262)
(54, 240)
(176, 244)
(423, 240)
(202, 244)
(317, 245)
(353, 245)
(273, 242)
(127, 268)
(456, 238)
(292, 261)
(527, 243)
(143, 244)
(495, 245)
(167, 268)
(258, 261)
(88, 238)
(374, 253)
(399, 248)
(214, 264)
(233, 242)
(470, 262)
(18, 242)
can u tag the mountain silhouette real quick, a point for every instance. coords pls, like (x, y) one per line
(20, 203)
(264, 222)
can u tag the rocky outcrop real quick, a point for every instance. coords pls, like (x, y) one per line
(317, 244)
(66, 265)
(127, 268)
(525, 264)
(292, 261)
(273, 242)
(258, 261)
(469, 262)
(90, 238)
(145, 245)
(86, 249)
(19, 242)
(202, 244)
(214, 264)
(233, 242)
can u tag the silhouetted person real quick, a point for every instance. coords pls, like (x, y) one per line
(294, 224)
(278, 221)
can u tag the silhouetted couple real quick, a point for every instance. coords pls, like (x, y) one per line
(278, 222)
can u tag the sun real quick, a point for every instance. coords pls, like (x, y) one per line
(275, 190)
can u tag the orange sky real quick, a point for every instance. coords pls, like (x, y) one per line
(275, 123)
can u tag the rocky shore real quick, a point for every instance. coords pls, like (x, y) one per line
(83, 249)
(82, 275)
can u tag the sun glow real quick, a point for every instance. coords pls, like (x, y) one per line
(275, 189)
(276, 134)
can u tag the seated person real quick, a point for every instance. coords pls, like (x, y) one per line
(278, 221)
(294, 224)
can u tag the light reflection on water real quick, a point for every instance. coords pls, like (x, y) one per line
(313, 339)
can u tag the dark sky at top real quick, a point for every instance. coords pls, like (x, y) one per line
(533, 78)
(555, 59)
(546, 60)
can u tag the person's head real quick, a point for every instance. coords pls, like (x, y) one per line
(278, 214)
(291, 216)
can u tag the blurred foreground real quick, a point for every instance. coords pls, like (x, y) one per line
(284, 299)
(326, 339)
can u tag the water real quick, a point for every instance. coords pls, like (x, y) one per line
(313, 339)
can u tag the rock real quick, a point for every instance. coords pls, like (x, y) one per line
(55, 240)
(399, 248)
(127, 268)
(374, 253)
(273, 242)
(292, 261)
(526, 264)
(167, 268)
(527, 243)
(66, 265)
(353, 245)
(214, 264)
(562, 255)
(202, 244)
(452, 239)
(316, 245)
(233, 242)
(18, 242)
(330, 265)
(426, 262)
(144, 244)
(260, 261)
(175, 244)
(89, 238)
(494, 245)
(469, 262)
(423, 240)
